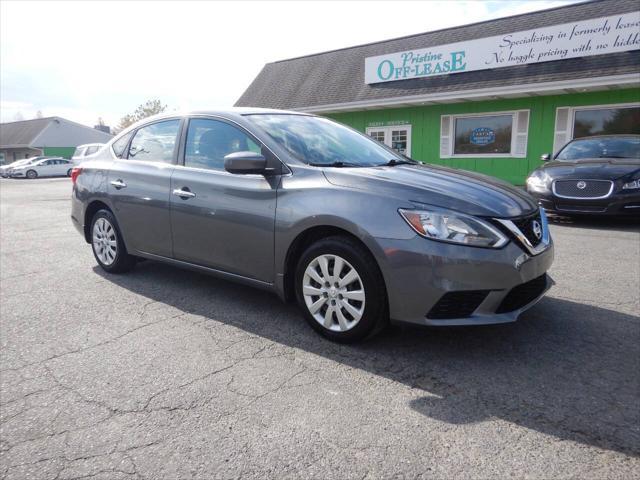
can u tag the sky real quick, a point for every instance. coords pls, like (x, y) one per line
(84, 60)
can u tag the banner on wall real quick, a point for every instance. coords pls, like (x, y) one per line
(596, 36)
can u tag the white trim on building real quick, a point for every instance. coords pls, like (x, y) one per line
(581, 85)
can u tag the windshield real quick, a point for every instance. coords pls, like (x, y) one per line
(319, 141)
(589, 148)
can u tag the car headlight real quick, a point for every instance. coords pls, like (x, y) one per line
(631, 185)
(538, 180)
(454, 228)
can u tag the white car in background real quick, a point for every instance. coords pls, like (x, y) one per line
(5, 170)
(84, 151)
(49, 167)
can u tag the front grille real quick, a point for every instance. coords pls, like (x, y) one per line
(460, 304)
(523, 294)
(526, 226)
(582, 188)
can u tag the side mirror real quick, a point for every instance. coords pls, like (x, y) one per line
(546, 157)
(245, 162)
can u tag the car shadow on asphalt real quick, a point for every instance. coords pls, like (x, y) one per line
(565, 369)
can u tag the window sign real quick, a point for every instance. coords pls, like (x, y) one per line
(596, 36)
(482, 136)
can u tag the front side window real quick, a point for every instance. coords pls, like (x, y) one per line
(155, 142)
(483, 135)
(591, 148)
(209, 141)
(606, 121)
(319, 141)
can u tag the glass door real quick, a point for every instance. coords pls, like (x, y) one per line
(397, 137)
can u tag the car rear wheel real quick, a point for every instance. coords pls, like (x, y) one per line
(107, 245)
(340, 290)
(32, 174)
(69, 172)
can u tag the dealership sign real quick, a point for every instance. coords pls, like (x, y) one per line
(597, 36)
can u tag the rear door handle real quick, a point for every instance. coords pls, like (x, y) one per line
(118, 184)
(184, 193)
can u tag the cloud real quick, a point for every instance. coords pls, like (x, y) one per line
(105, 58)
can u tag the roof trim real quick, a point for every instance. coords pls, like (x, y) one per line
(620, 81)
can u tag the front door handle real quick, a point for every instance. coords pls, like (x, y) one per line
(118, 184)
(184, 193)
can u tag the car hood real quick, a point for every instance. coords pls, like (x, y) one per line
(459, 190)
(605, 168)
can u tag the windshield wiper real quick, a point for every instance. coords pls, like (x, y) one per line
(334, 164)
(394, 161)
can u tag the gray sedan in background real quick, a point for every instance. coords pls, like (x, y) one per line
(317, 212)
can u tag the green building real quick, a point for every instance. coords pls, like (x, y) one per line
(490, 97)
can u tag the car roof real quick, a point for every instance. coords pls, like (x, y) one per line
(90, 145)
(226, 112)
(618, 135)
(229, 112)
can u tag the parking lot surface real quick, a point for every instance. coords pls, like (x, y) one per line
(165, 373)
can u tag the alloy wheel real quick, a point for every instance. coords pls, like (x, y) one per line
(333, 292)
(105, 242)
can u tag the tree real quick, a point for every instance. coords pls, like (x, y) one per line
(150, 107)
(18, 117)
(39, 114)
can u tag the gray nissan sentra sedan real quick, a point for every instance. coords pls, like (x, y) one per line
(317, 212)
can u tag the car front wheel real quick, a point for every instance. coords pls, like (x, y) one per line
(107, 245)
(32, 174)
(340, 290)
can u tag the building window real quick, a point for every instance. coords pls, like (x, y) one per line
(606, 121)
(494, 134)
(484, 135)
(397, 137)
(577, 122)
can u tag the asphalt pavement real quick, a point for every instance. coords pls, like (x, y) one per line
(166, 373)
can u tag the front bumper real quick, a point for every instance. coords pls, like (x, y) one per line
(620, 203)
(481, 283)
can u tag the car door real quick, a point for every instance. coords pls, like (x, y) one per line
(58, 167)
(139, 184)
(64, 166)
(45, 168)
(219, 219)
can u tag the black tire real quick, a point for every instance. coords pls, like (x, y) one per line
(31, 174)
(375, 315)
(122, 262)
(69, 172)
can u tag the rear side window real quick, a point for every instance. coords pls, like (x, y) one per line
(120, 145)
(90, 151)
(79, 152)
(208, 141)
(155, 142)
